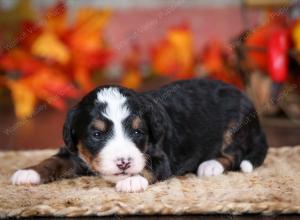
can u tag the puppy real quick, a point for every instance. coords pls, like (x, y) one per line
(135, 139)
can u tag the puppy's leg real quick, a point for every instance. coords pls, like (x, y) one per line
(229, 155)
(226, 161)
(243, 149)
(56, 167)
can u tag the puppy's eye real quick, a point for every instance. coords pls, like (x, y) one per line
(138, 132)
(96, 134)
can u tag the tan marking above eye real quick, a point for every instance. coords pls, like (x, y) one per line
(136, 123)
(99, 124)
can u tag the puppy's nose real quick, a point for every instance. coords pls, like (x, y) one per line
(123, 164)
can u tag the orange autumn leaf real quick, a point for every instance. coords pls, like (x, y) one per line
(259, 38)
(30, 32)
(296, 35)
(87, 31)
(165, 59)
(212, 57)
(48, 46)
(95, 59)
(48, 76)
(181, 40)
(69, 52)
(44, 86)
(214, 60)
(86, 44)
(51, 86)
(82, 77)
(19, 60)
(132, 79)
(174, 55)
(91, 19)
(56, 18)
(23, 97)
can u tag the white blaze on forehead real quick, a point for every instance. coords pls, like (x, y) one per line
(116, 109)
(119, 145)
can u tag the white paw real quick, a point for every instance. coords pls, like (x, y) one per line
(132, 184)
(22, 177)
(246, 166)
(210, 168)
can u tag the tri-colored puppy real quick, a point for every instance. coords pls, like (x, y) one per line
(135, 139)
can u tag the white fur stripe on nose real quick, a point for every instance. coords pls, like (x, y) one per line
(119, 145)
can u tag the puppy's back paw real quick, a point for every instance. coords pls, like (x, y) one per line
(24, 177)
(210, 168)
(246, 166)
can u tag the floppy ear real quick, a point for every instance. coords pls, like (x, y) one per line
(68, 129)
(159, 125)
(158, 122)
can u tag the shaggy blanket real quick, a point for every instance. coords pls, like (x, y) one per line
(272, 188)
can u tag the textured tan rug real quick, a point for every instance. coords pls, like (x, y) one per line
(272, 188)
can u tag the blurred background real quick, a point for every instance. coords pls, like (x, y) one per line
(53, 52)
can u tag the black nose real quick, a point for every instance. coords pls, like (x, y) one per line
(123, 164)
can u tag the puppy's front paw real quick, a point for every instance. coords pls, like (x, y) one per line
(132, 184)
(23, 177)
(210, 168)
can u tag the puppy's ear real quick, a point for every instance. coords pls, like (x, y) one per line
(158, 122)
(68, 129)
(159, 126)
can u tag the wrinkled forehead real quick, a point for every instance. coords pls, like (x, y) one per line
(115, 103)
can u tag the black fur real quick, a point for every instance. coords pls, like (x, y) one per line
(185, 124)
